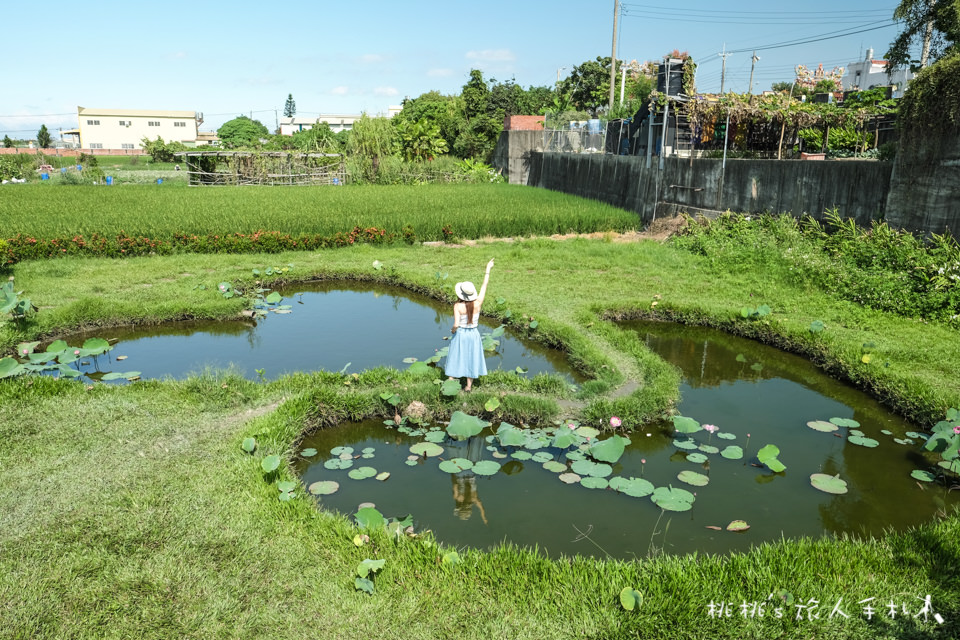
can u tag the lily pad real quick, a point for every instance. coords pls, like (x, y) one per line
(630, 599)
(708, 448)
(693, 478)
(609, 450)
(286, 485)
(362, 473)
(697, 458)
(822, 426)
(510, 436)
(383, 475)
(855, 432)
(521, 455)
(589, 468)
(270, 463)
(732, 452)
(369, 518)
(249, 445)
(542, 456)
(338, 463)
(324, 487)
(486, 468)
(456, 465)
(738, 526)
(569, 478)
(492, 404)
(671, 499)
(554, 466)
(411, 463)
(428, 449)
(308, 452)
(863, 441)
(591, 482)
(449, 387)
(688, 445)
(587, 432)
(463, 426)
(828, 483)
(914, 435)
(634, 487)
(499, 455)
(336, 451)
(922, 476)
(845, 422)
(686, 425)
(726, 435)
(768, 455)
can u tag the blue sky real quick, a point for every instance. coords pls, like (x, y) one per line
(224, 59)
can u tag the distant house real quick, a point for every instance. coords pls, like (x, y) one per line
(337, 121)
(870, 73)
(124, 129)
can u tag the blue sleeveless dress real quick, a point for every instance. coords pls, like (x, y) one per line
(465, 353)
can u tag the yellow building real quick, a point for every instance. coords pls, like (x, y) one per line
(126, 128)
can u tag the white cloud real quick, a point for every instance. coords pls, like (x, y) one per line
(440, 73)
(371, 58)
(491, 55)
(178, 55)
(340, 91)
(385, 91)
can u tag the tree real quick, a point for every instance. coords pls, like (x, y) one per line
(371, 139)
(161, 151)
(446, 112)
(319, 139)
(241, 132)
(43, 137)
(934, 23)
(7, 142)
(588, 85)
(421, 140)
(290, 108)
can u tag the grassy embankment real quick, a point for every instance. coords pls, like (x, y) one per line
(131, 511)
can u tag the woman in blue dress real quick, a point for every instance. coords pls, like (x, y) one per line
(465, 354)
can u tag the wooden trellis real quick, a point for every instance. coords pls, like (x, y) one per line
(266, 168)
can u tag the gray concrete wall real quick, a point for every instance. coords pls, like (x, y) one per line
(857, 188)
(513, 154)
(925, 187)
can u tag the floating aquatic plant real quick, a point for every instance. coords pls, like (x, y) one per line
(463, 426)
(822, 426)
(672, 499)
(324, 487)
(693, 478)
(685, 425)
(828, 483)
(427, 449)
(591, 482)
(634, 487)
(362, 473)
(768, 456)
(456, 465)
(486, 468)
(270, 464)
(738, 526)
(922, 476)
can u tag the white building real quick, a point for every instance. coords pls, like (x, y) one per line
(126, 128)
(338, 122)
(870, 73)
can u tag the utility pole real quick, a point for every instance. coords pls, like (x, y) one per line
(753, 63)
(623, 81)
(723, 70)
(613, 55)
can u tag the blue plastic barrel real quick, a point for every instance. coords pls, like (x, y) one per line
(79, 167)
(109, 180)
(593, 125)
(63, 169)
(159, 180)
(44, 176)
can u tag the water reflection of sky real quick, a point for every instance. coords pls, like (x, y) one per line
(332, 325)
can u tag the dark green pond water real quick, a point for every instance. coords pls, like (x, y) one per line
(331, 325)
(738, 385)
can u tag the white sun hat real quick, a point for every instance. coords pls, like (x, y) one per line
(466, 291)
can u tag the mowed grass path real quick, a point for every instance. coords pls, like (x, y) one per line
(131, 511)
(470, 211)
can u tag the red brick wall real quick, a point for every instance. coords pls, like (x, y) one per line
(523, 123)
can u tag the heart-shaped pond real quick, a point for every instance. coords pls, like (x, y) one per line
(481, 491)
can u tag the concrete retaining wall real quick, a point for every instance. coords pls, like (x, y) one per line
(857, 188)
(925, 187)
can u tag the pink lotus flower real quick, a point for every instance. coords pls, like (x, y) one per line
(76, 352)
(25, 352)
(643, 461)
(712, 428)
(571, 425)
(956, 429)
(615, 422)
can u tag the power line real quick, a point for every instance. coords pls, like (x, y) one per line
(674, 10)
(827, 36)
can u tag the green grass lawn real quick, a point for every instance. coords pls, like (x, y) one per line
(132, 511)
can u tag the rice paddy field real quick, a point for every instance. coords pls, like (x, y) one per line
(159, 212)
(136, 510)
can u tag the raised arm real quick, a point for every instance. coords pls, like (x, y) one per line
(486, 279)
